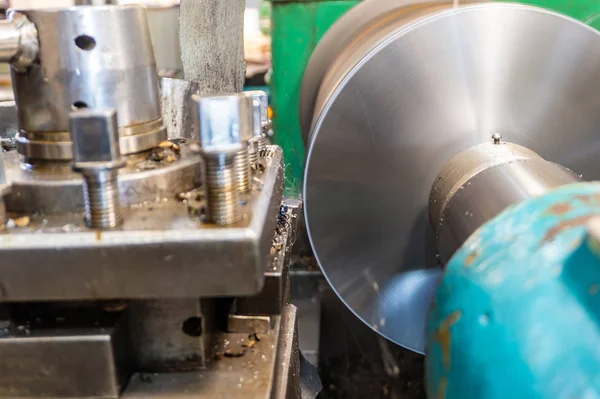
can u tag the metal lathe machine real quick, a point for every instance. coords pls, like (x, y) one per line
(133, 263)
(448, 190)
(449, 194)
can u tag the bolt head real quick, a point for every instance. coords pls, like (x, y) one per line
(224, 122)
(95, 137)
(263, 101)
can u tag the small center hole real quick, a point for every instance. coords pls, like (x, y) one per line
(85, 42)
(77, 105)
(192, 326)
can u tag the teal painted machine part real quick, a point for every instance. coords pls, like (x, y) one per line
(517, 312)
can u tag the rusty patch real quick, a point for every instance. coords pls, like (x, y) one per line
(559, 209)
(444, 337)
(593, 289)
(471, 258)
(441, 393)
(564, 225)
(98, 235)
(583, 198)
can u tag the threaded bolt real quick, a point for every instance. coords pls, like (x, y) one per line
(262, 143)
(222, 191)
(224, 125)
(241, 163)
(96, 154)
(102, 199)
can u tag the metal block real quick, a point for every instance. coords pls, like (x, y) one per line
(171, 334)
(246, 368)
(74, 363)
(275, 294)
(160, 252)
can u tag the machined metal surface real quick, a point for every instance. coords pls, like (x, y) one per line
(247, 366)
(64, 362)
(172, 334)
(396, 108)
(159, 246)
(9, 125)
(83, 65)
(147, 177)
(97, 156)
(481, 182)
(224, 126)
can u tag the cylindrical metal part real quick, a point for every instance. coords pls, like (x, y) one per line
(241, 163)
(96, 154)
(482, 181)
(412, 88)
(102, 199)
(224, 125)
(82, 64)
(222, 194)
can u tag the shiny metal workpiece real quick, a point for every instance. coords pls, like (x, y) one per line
(482, 181)
(84, 65)
(410, 93)
(97, 156)
(224, 125)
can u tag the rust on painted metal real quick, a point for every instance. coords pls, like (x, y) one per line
(444, 337)
(588, 198)
(471, 258)
(560, 208)
(566, 224)
(441, 393)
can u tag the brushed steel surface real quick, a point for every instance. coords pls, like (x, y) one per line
(142, 180)
(349, 31)
(159, 246)
(63, 363)
(400, 108)
(500, 175)
(84, 65)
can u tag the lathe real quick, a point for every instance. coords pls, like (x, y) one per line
(133, 263)
(445, 196)
(449, 195)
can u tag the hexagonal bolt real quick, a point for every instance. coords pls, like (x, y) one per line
(4, 190)
(97, 156)
(261, 116)
(241, 160)
(222, 125)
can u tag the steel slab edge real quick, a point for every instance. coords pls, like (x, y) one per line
(160, 252)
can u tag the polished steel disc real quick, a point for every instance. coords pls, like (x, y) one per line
(396, 105)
